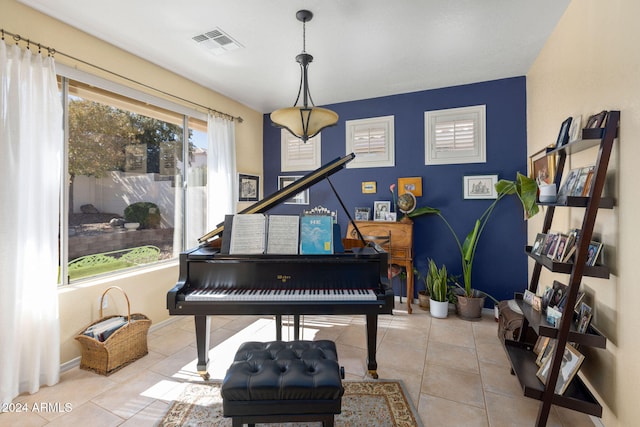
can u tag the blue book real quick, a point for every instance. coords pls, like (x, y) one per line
(316, 234)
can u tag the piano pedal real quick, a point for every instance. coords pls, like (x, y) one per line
(205, 375)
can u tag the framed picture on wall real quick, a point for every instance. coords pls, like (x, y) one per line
(411, 185)
(480, 187)
(302, 198)
(248, 188)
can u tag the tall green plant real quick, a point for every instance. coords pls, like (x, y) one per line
(524, 187)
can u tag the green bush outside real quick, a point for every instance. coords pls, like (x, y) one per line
(145, 213)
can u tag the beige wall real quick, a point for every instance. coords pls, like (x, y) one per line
(592, 63)
(147, 291)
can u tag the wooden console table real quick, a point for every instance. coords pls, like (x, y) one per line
(401, 251)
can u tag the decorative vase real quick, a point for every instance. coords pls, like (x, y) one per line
(423, 300)
(438, 309)
(469, 308)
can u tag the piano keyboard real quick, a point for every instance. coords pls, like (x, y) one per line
(221, 294)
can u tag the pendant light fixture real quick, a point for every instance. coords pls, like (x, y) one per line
(304, 121)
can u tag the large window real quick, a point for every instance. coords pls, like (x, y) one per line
(126, 164)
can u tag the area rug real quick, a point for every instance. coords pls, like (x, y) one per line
(381, 403)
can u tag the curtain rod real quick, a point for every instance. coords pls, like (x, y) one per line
(52, 52)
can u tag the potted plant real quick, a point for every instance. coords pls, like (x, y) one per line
(469, 300)
(438, 287)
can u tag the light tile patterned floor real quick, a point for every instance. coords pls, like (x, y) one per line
(455, 371)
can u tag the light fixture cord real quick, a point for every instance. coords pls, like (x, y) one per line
(304, 36)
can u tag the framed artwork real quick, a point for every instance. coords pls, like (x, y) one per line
(369, 187)
(362, 214)
(248, 188)
(571, 361)
(410, 185)
(542, 166)
(584, 318)
(381, 210)
(545, 348)
(596, 120)
(302, 198)
(563, 136)
(574, 130)
(480, 187)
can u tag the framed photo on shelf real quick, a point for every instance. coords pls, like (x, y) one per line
(571, 361)
(368, 187)
(596, 120)
(248, 188)
(542, 166)
(410, 185)
(593, 252)
(538, 245)
(480, 187)
(362, 214)
(381, 210)
(584, 318)
(302, 198)
(574, 130)
(563, 136)
(545, 349)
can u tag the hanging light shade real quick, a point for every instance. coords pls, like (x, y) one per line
(307, 120)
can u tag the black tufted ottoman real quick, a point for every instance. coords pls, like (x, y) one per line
(283, 382)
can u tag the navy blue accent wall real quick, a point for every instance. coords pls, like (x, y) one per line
(500, 266)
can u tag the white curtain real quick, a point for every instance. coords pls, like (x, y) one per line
(31, 145)
(222, 183)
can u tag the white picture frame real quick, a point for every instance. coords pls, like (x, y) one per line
(480, 187)
(380, 210)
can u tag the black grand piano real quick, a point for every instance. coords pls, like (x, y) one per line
(213, 282)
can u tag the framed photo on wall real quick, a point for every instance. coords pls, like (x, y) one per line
(248, 188)
(302, 198)
(368, 187)
(480, 187)
(411, 185)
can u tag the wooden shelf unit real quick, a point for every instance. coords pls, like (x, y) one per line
(520, 352)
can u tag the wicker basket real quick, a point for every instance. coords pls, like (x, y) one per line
(125, 345)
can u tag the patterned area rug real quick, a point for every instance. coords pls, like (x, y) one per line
(365, 403)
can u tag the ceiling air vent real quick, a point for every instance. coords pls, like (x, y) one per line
(217, 41)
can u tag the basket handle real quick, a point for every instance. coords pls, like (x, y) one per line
(125, 297)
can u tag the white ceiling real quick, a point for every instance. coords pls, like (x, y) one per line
(362, 48)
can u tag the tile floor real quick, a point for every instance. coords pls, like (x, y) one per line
(455, 371)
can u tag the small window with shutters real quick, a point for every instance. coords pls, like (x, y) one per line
(455, 135)
(297, 155)
(372, 141)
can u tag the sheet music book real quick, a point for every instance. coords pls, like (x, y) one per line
(283, 232)
(248, 235)
(316, 234)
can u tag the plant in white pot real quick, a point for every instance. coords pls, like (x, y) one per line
(469, 300)
(438, 287)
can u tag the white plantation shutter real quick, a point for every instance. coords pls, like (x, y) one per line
(299, 156)
(455, 135)
(372, 142)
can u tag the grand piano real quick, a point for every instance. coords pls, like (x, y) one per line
(212, 282)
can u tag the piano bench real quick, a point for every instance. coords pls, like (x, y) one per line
(280, 381)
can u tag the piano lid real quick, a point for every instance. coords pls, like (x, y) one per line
(289, 191)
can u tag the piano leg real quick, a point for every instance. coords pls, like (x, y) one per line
(278, 327)
(203, 328)
(372, 335)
